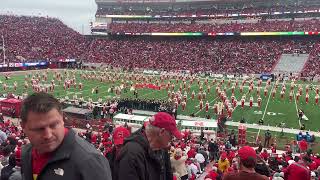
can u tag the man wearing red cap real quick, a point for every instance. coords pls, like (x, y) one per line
(119, 134)
(247, 161)
(144, 154)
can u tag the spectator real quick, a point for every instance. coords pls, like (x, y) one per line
(201, 160)
(267, 137)
(192, 169)
(137, 153)
(178, 161)
(16, 175)
(7, 171)
(247, 162)
(3, 137)
(119, 135)
(213, 150)
(299, 170)
(223, 163)
(261, 167)
(42, 122)
(303, 145)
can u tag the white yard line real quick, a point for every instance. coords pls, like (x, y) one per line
(265, 109)
(295, 101)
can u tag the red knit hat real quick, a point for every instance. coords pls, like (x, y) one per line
(245, 152)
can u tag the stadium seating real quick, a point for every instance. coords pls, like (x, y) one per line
(213, 10)
(39, 38)
(262, 26)
(221, 55)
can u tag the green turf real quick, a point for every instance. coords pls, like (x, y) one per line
(273, 113)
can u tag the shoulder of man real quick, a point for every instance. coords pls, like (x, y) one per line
(132, 148)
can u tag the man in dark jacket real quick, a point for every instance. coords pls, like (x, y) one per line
(144, 155)
(56, 152)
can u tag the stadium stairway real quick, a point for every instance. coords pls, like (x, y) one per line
(290, 63)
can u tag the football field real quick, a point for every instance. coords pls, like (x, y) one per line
(273, 110)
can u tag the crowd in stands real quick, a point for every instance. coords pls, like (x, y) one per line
(207, 11)
(226, 55)
(311, 67)
(39, 38)
(191, 157)
(261, 26)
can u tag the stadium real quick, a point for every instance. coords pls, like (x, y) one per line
(222, 69)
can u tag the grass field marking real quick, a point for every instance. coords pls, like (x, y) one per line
(295, 101)
(265, 109)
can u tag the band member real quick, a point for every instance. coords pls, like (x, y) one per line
(241, 88)
(15, 85)
(207, 106)
(204, 95)
(199, 95)
(230, 110)
(232, 89)
(259, 101)
(4, 86)
(273, 93)
(265, 91)
(235, 103)
(282, 95)
(298, 96)
(307, 98)
(242, 102)
(317, 90)
(251, 101)
(192, 95)
(292, 86)
(291, 96)
(215, 108)
(189, 87)
(317, 99)
(172, 87)
(201, 105)
(183, 105)
(258, 90)
(201, 88)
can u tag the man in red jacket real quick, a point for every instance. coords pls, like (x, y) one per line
(299, 170)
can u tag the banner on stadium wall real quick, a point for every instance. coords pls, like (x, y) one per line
(67, 60)
(294, 33)
(28, 64)
(216, 75)
(151, 72)
(18, 64)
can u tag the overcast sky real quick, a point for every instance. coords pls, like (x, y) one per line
(77, 14)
